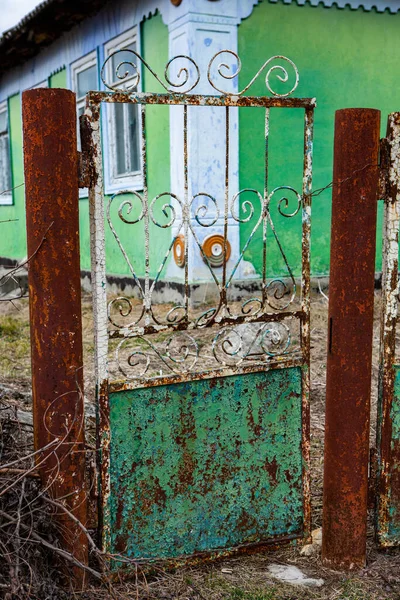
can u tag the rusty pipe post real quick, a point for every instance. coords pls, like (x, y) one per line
(351, 303)
(52, 224)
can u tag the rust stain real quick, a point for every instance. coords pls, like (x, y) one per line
(351, 303)
(201, 100)
(51, 186)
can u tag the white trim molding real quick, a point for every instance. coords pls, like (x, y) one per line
(228, 12)
(380, 6)
(131, 179)
(86, 62)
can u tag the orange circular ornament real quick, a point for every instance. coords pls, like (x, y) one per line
(213, 248)
(179, 250)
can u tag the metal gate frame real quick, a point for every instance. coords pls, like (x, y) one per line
(388, 445)
(91, 144)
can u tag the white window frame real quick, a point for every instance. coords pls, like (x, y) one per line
(6, 199)
(87, 61)
(113, 181)
(41, 84)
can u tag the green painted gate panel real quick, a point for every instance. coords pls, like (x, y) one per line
(204, 465)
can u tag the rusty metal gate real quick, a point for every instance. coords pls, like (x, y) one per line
(388, 426)
(203, 415)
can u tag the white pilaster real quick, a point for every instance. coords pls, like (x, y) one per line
(199, 29)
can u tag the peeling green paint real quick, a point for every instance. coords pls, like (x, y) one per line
(394, 502)
(206, 465)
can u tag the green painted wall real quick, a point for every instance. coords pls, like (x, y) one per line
(345, 59)
(59, 79)
(205, 465)
(13, 235)
(154, 36)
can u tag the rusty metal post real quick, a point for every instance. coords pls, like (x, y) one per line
(52, 223)
(351, 302)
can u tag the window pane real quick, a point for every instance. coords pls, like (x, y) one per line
(125, 70)
(3, 121)
(5, 174)
(120, 138)
(86, 81)
(133, 136)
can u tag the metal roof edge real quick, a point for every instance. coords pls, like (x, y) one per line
(393, 6)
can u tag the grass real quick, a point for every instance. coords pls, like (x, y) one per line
(10, 327)
(15, 343)
(239, 578)
(239, 594)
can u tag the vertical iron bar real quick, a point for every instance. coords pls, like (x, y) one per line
(305, 306)
(91, 145)
(226, 209)
(388, 451)
(351, 303)
(146, 220)
(127, 140)
(186, 213)
(265, 208)
(52, 222)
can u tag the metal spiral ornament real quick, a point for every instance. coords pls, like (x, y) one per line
(182, 81)
(279, 70)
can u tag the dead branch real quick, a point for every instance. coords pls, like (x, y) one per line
(34, 537)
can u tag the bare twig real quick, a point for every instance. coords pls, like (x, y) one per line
(4, 471)
(59, 551)
(10, 273)
(12, 189)
(321, 291)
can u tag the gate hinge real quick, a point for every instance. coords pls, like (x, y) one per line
(86, 169)
(372, 478)
(383, 185)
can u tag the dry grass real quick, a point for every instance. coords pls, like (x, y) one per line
(240, 578)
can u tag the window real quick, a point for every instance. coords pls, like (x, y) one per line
(83, 79)
(123, 118)
(5, 163)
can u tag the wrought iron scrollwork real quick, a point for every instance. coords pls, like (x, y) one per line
(132, 210)
(136, 355)
(231, 346)
(279, 70)
(200, 222)
(181, 83)
(188, 74)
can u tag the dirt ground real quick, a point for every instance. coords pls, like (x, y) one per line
(239, 578)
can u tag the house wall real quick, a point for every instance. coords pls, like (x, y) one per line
(346, 58)
(154, 49)
(53, 65)
(13, 234)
